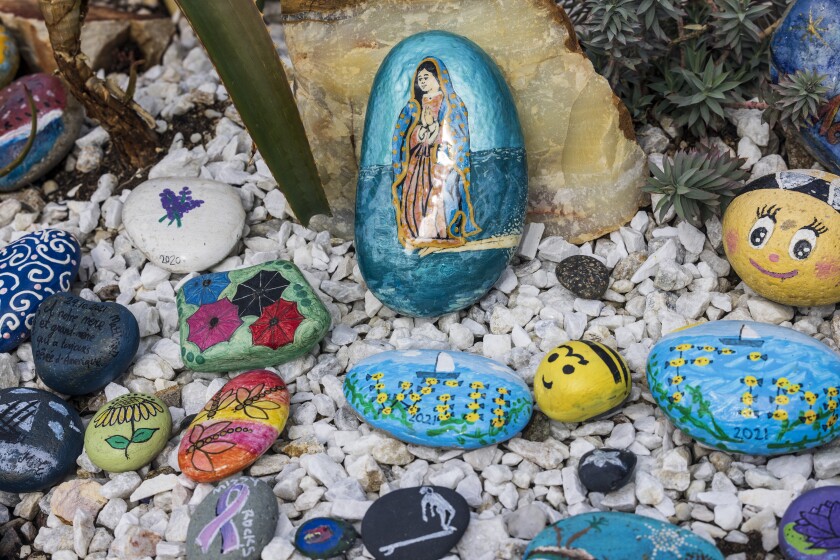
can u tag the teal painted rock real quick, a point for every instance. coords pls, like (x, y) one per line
(9, 57)
(325, 537)
(439, 399)
(618, 536)
(443, 184)
(253, 317)
(747, 387)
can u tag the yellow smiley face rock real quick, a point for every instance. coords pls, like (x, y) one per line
(579, 380)
(782, 237)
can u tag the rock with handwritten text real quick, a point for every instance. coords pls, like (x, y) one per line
(184, 225)
(80, 346)
(9, 57)
(421, 523)
(40, 439)
(237, 425)
(325, 537)
(235, 522)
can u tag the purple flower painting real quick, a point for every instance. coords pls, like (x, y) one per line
(176, 205)
(821, 525)
(213, 323)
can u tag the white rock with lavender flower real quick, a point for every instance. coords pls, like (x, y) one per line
(184, 225)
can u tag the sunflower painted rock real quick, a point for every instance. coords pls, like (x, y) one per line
(128, 432)
(782, 237)
(259, 316)
(747, 387)
(235, 427)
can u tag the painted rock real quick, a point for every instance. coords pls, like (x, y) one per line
(325, 537)
(235, 427)
(440, 399)
(235, 522)
(747, 387)
(128, 432)
(440, 204)
(40, 439)
(31, 269)
(782, 237)
(810, 528)
(584, 276)
(259, 316)
(809, 39)
(184, 225)
(59, 120)
(80, 346)
(606, 470)
(580, 380)
(618, 536)
(9, 57)
(421, 523)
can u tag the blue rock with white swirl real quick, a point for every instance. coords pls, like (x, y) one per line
(31, 269)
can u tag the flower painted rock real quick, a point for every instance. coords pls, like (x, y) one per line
(184, 225)
(443, 184)
(747, 387)
(59, 120)
(606, 470)
(128, 432)
(235, 522)
(782, 236)
(40, 439)
(618, 536)
(810, 528)
(31, 269)
(579, 380)
(440, 399)
(235, 427)
(808, 38)
(9, 57)
(80, 346)
(325, 537)
(259, 316)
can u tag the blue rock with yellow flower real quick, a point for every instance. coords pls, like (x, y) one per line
(439, 399)
(747, 387)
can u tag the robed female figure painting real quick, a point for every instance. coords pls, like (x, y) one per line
(431, 163)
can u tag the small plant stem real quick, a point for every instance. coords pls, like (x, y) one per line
(770, 29)
(130, 439)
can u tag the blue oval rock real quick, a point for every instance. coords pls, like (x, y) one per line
(325, 537)
(747, 387)
(40, 439)
(31, 269)
(80, 346)
(440, 399)
(618, 536)
(443, 183)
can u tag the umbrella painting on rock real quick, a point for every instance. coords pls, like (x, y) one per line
(258, 292)
(277, 325)
(213, 323)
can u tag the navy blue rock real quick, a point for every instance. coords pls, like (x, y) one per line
(31, 269)
(40, 439)
(80, 346)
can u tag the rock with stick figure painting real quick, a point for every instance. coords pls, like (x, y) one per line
(128, 432)
(325, 537)
(618, 536)
(421, 523)
(810, 528)
(259, 316)
(747, 387)
(235, 522)
(237, 425)
(184, 225)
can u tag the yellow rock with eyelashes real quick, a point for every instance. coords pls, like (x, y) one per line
(782, 237)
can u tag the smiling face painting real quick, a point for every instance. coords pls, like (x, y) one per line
(782, 236)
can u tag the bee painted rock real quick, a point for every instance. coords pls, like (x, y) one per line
(237, 425)
(747, 387)
(440, 203)
(782, 237)
(9, 57)
(808, 39)
(579, 380)
(440, 399)
(810, 528)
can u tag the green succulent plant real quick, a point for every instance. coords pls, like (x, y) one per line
(796, 99)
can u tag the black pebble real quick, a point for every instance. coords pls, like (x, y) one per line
(584, 276)
(606, 470)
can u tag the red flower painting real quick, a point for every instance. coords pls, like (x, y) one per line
(277, 325)
(213, 323)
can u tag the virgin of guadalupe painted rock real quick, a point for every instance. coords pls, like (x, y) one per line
(808, 39)
(9, 57)
(747, 387)
(443, 183)
(440, 399)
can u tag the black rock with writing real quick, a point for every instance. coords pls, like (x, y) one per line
(40, 439)
(606, 470)
(421, 523)
(584, 276)
(80, 346)
(234, 522)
